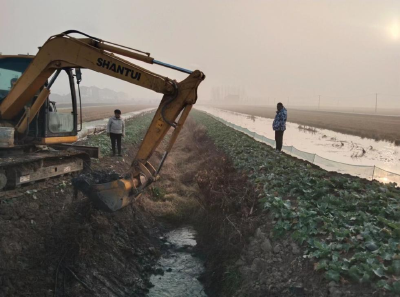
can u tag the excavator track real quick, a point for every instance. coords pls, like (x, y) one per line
(21, 173)
(33, 188)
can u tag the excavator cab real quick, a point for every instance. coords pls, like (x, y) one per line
(60, 113)
(11, 68)
(57, 120)
(25, 156)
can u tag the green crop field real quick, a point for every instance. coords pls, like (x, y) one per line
(134, 130)
(348, 225)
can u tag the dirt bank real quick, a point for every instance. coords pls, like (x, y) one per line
(55, 244)
(370, 126)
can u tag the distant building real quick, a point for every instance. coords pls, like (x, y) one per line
(231, 94)
(232, 98)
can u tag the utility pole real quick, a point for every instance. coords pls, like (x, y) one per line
(319, 101)
(376, 102)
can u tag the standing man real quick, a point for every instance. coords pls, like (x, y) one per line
(279, 125)
(116, 130)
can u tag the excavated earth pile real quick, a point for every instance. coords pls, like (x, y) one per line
(84, 181)
(53, 244)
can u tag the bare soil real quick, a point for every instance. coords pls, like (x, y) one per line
(53, 243)
(376, 127)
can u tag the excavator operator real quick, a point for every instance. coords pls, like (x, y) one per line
(12, 82)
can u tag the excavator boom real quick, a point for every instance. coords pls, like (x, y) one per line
(62, 51)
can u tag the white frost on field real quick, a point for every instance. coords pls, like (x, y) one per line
(328, 144)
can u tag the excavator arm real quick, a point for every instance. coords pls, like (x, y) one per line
(63, 51)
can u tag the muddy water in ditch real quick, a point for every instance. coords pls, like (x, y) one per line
(180, 269)
(325, 143)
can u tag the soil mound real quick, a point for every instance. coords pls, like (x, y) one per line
(84, 181)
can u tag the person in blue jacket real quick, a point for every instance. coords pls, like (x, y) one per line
(279, 125)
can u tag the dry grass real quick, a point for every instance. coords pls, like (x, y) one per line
(199, 186)
(369, 126)
(174, 196)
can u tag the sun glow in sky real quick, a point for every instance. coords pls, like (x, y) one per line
(394, 30)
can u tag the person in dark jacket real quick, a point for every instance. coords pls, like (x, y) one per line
(279, 125)
(116, 130)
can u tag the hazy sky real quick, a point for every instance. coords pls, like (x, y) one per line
(298, 49)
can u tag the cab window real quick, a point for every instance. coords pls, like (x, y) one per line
(10, 71)
(60, 108)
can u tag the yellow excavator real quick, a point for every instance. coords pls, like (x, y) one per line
(34, 135)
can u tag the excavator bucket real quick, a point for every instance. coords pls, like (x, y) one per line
(109, 191)
(113, 195)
